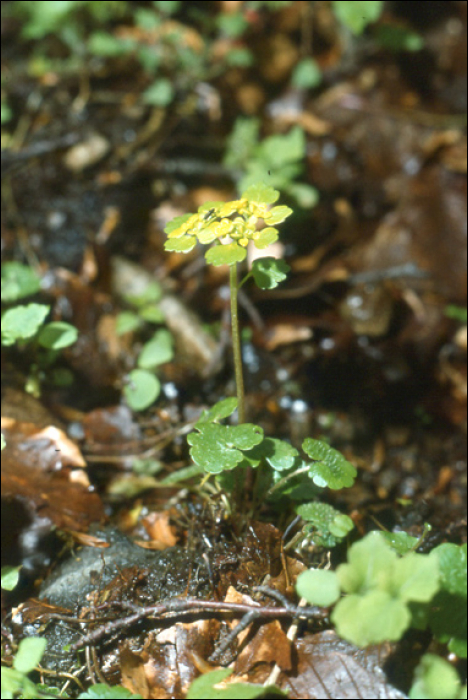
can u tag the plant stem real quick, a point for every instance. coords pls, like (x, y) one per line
(236, 345)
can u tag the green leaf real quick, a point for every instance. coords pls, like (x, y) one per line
(160, 93)
(147, 19)
(445, 620)
(168, 7)
(210, 449)
(57, 335)
(225, 254)
(283, 151)
(378, 577)
(240, 57)
(279, 454)
(245, 436)
(29, 654)
(371, 619)
(241, 142)
(269, 272)
(181, 245)
(176, 223)
(260, 193)
(278, 214)
(262, 239)
(126, 322)
(22, 322)
(218, 447)
(151, 294)
(452, 561)
(61, 376)
(6, 115)
(101, 691)
(152, 314)
(356, 15)
(370, 565)
(305, 195)
(444, 614)
(318, 587)
(205, 687)
(401, 542)
(18, 281)
(330, 468)
(306, 74)
(459, 647)
(45, 17)
(329, 525)
(147, 467)
(211, 206)
(12, 683)
(10, 577)
(157, 351)
(415, 577)
(183, 474)
(107, 45)
(207, 235)
(232, 24)
(435, 678)
(142, 390)
(458, 313)
(397, 38)
(222, 409)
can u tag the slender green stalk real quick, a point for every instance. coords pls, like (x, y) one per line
(236, 344)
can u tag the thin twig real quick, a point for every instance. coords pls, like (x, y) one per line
(182, 607)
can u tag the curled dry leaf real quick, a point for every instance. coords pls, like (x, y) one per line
(265, 644)
(328, 667)
(38, 469)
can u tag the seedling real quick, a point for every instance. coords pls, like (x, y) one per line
(24, 325)
(142, 386)
(229, 228)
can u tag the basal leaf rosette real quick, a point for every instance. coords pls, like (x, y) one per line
(380, 586)
(231, 226)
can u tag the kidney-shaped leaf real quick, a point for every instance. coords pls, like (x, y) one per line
(452, 563)
(157, 351)
(142, 389)
(245, 436)
(18, 281)
(211, 450)
(261, 193)
(329, 468)
(371, 619)
(57, 335)
(225, 254)
(221, 409)
(370, 565)
(278, 214)
(181, 245)
(262, 239)
(22, 322)
(318, 587)
(279, 454)
(416, 577)
(269, 272)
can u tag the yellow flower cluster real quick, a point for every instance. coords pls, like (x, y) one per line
(230, 224)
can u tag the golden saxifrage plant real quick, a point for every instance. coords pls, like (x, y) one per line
(228, 228)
